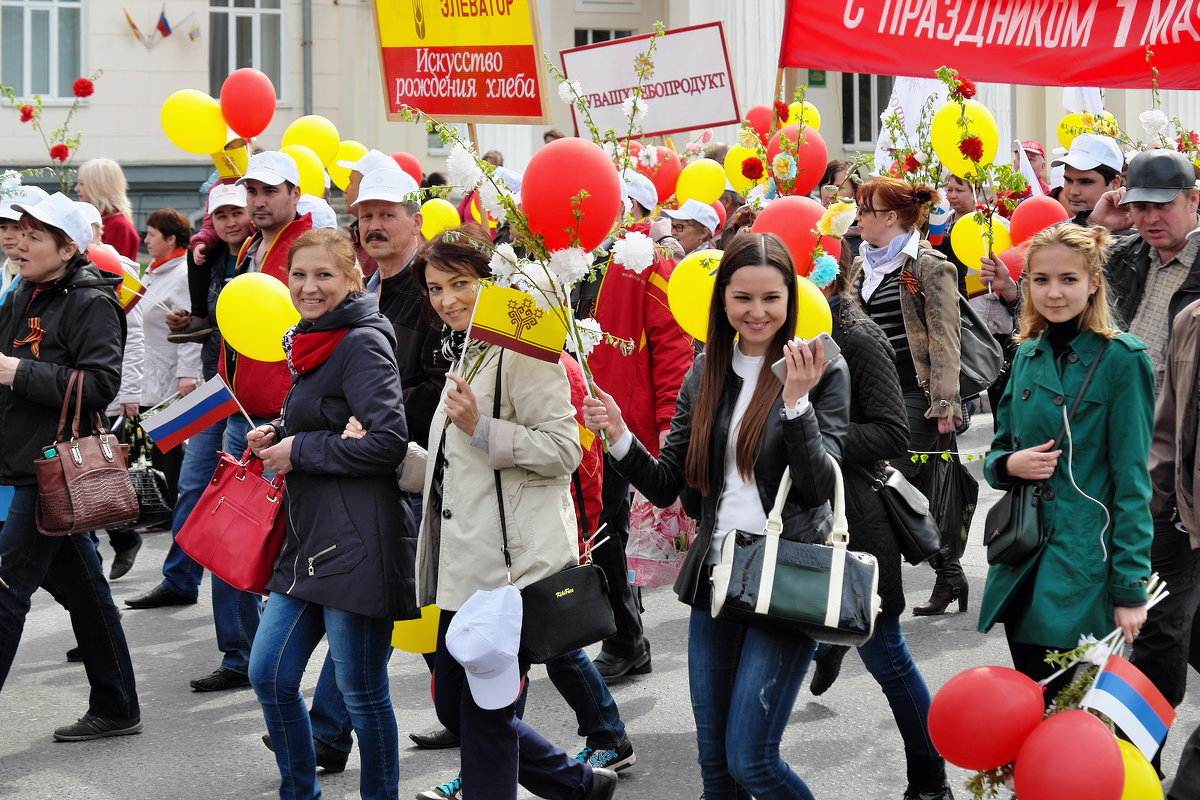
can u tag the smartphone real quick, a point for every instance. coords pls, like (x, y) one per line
(831, 350)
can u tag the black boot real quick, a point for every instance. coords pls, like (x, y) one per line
(829, 664)
(926, 778)
(951, 585)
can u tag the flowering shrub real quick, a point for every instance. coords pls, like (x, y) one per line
(61, 144)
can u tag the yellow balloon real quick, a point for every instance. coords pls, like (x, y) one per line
(1069, 127)
(1141, 781)
(316, 133)
(733, 169)
(348, 150)
(703, 180)
(946, 133)
(689, 292)
(254, 311)
(967, 240)
(417, 635)
(811, 116)
(813, 313)
(438, 215)
(312, 174)
(192, 121)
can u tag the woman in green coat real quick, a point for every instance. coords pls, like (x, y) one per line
(1095, 506)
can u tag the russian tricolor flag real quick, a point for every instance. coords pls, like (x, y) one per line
(207, 405)
(1128, 698)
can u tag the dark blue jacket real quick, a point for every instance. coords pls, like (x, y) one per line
(351, 542)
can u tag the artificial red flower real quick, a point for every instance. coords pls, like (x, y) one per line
(1193, 142)
(752, 168)
(911, 164)
(972, 148)
(896, 170)
(60, 152)
(965, 89)
(83, 87)
(782, 111)
(26, 113)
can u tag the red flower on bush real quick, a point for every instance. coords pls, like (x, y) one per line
(60, 152)
(26, 113)
(782, 111)
(83, 87)
(965, 89)
(911, 164)
(972, 148)
(752, 168)
(1192, 144)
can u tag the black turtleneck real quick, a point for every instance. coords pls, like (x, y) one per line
(1060, 334)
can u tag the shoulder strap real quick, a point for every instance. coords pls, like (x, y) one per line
(66, 406)
(1087, 380)
(496, 472)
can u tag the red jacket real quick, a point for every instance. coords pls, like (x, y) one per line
(591, 470)
(120, 233)
(645, 383)
(261, 386)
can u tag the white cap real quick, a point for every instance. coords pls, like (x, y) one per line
(1090, 150)
(703, 213)
(1057, 176)
(638, 188)
(369, 162)
(90, 213)
(484, 637)
(511, 178)
(392, 185)
(60, 211)
(27, 195)
(323, 215)
(226, 194)
(272, 167)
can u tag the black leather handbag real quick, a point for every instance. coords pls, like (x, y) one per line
(824, 591)
(915, 528)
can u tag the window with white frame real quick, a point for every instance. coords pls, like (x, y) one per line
(41, 46)
(864, 97)
(595, 35)
(245, 33)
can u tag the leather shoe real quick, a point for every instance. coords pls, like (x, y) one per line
(158, 597)
(220, 680)
(75, 654)
(438, 740)
(612, 667)
(604, 784)
(123, 561)
(829, 664)
(91, 726)
(329, 758)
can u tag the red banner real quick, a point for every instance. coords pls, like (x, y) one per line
(1038, 42)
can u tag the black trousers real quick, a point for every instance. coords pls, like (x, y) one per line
(629, 641)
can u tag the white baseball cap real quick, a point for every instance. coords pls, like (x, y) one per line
(638, 188)
(28, 195)
(60, 211)
(323, 215)
(703, 213)
(272, 167)
(369, 162)
(1090, 150)
(90, 213)
(226, 194)
(391, 185)
(484, 637)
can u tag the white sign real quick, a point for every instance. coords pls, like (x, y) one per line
(691, 86)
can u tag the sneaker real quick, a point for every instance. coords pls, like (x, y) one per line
(618, 759)
(447, 791)
(91, 726)
(196, 330)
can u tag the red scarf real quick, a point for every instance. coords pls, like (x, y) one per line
(176, 253)
(311, 350)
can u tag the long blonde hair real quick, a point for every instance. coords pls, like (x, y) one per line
(1091, 244)
(106, 187)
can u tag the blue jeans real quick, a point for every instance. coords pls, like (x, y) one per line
(235, 613)
(69, 568)
(580, 684)
(744, 683)
(887, 658)
(288, 634)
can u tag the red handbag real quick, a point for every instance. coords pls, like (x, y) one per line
(236, 529)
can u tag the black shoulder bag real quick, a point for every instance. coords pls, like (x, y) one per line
(565, 611)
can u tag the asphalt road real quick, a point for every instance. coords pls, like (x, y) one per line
(844, 743)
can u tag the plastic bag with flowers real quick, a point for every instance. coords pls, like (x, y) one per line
(658, 542)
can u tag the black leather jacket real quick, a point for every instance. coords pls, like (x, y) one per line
(800, 444)
(1126, 269)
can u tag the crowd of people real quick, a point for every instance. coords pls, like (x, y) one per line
(512, 481)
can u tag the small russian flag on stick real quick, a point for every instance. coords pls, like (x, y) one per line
(1127, 697)
(207, 405)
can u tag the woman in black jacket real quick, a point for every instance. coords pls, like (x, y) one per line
(878, 431)
(64, 316)
(736, 431)
(346, 568)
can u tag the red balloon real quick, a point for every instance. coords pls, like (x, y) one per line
(721, 216)
(760, 119)
(1034, 215)
(811, 157)
(1071, 754)
(1014, 259)
(794, 219)
(411, 165)
(634, 147)
(664, 175)
(105, 259)
(555, 176)
(247, 102)
(980, 718)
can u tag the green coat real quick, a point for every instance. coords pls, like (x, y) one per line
(1086, 566)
